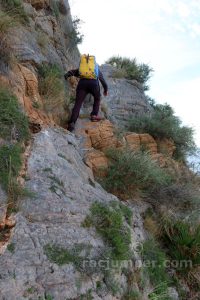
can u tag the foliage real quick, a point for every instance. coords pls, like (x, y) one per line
(131, 69)
(109, 223)
(129, 171)
(154, 265)
(55, 8)
(59, 255)
(75, 36)
(51, 86)
(11, 247)
(183, 243)
(6, 22)
(131, 295)
(162, 123)
(10, 164)
(15, 9)
(13, 123)
(76, 255)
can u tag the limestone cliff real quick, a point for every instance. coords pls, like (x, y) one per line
(69, 238)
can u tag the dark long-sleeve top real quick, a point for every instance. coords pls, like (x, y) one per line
(100, 77)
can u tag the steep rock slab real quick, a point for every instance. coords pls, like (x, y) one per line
(64, 190)
(125, 99)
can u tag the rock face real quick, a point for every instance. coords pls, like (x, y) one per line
(64, 189)
(126, 98)
(46, 39)
(96, 138)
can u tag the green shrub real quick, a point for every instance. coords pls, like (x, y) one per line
(109, 223)
(75, 36)
(181, 196)
(154, 266)
(15, 9)
(6, 22)
(132, 295)
(162, 123)
(13, 123)
(51, 86)
(78, 255)
(132, 69)
(55, 8)
(129, 172)
(10, 163)
(182, 240)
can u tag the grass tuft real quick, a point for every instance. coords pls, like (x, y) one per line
(109, 223)
(51, 87)
(129, 172)
(13, 123)
(131, 69)
(15, 9)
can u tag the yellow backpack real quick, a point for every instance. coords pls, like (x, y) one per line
(88, 67)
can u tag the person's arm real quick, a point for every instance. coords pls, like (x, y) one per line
(72, 73)
(103, 82)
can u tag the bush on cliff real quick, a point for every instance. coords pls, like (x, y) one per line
(13, 122)
(109, 221)
(131, 69)
(129, 172)
(162, 123)
(15, 9)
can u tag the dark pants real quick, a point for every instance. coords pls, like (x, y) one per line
(86, 86)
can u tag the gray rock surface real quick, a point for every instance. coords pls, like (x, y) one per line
(64, 190)
(126, 98)
(47, 37)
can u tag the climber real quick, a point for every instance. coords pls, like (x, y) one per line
(89, 74)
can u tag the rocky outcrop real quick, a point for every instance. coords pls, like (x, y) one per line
(64, 189)
(46, 38)
(96, 138)
(125, 99)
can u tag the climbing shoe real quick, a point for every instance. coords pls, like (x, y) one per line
(95, 118)
(71, 126)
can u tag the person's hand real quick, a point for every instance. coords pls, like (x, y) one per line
(105, 93)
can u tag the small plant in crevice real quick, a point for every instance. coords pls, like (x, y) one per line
(109, 223)
(11, 247)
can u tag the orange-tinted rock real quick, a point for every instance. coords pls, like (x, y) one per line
(100, 134)
(133, 141)
(166, 146)
(148, 143)
(39, 4)
(96, 160)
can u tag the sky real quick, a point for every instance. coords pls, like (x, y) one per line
(165, 34)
